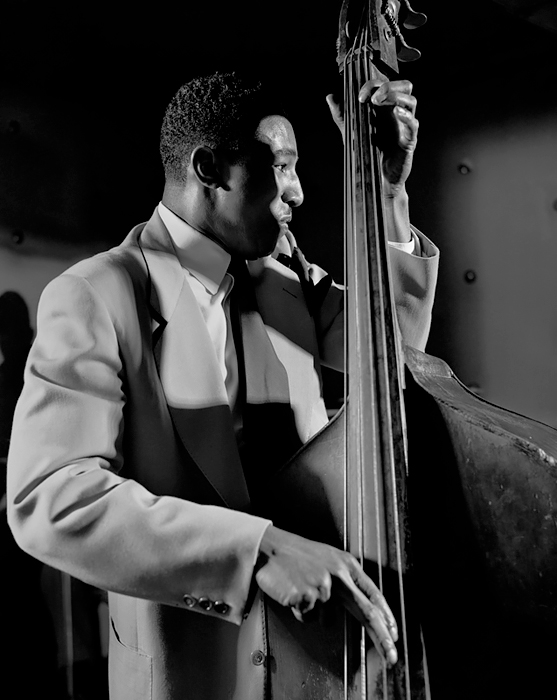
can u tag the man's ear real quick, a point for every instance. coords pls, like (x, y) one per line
(206, 167)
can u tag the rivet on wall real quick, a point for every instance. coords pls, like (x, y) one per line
(18, 237)
(14, 127)
(464, 168)
(469, 276)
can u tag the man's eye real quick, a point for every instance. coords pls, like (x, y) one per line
(281, 166)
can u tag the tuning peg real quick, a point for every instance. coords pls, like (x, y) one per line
(407, 53)
(413, 19)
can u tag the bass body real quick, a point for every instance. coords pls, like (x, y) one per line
(482, 489)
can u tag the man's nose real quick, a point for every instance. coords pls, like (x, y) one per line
(293, 194)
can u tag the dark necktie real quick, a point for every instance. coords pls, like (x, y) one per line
(268, 436)
(239, 299)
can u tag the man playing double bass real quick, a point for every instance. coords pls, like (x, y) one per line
(169, 378)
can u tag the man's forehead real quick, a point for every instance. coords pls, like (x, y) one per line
(277, 131)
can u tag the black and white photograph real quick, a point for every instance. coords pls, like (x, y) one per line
(278, 350)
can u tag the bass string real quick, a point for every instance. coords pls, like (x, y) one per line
(354, 434)
(353, 448)
(347, 267)
(372, 399)
(361, 412)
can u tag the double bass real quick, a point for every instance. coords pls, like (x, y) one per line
(448, 501)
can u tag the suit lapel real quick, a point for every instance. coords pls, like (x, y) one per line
(189, 371)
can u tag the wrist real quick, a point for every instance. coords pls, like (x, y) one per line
(397, 217)
(276, 541)
(272, 538)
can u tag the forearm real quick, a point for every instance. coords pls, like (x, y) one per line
(397, 219)
(117, 536)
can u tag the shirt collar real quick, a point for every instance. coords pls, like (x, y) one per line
(201, 256)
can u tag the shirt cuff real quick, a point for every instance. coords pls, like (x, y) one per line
(412, 246)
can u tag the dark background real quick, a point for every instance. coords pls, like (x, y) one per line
(84, 88)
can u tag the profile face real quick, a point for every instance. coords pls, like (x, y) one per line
(262, 189)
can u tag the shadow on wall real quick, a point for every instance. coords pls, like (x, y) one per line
(29, 666)
(16, 336)
(52, 624)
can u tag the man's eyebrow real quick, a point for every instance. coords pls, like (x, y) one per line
(286, 152)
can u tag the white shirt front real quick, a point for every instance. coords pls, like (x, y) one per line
(206, 265)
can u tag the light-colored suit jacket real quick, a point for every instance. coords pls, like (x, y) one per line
(123, 466)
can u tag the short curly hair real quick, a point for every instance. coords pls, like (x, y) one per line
(221, 110)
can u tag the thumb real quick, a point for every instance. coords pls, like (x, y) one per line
(336, 111)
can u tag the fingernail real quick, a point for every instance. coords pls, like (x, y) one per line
(392, 657)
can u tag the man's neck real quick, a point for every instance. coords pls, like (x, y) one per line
(186, 206)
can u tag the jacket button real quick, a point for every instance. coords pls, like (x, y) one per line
(258, 658)
(189, 601)
(221, 607)
(205, 603)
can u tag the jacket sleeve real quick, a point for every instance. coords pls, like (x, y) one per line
(67, 504)
(414, 278)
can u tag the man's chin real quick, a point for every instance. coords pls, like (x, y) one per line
(269, 245)
(262, 253)
(265, 245)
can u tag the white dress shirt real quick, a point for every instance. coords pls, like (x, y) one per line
(206, 265)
